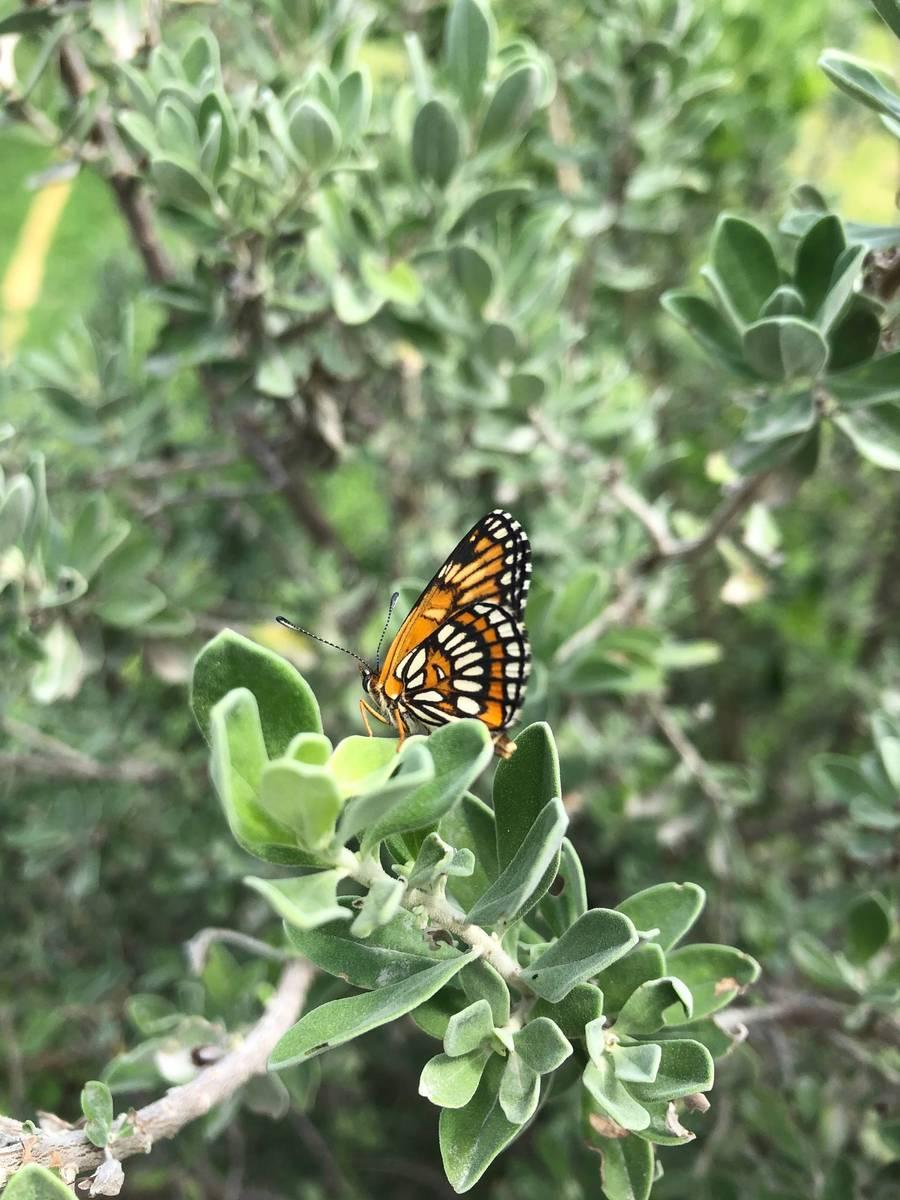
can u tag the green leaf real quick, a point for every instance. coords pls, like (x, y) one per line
(744, 270)
(338, 1021)
(594, 942)
(437, 860)
(315, 134)
(542, 1045)
(672, 908)
(818, 252)
(784, 302)
(237, 761)
(471, 1137)
(645, 961)
(520, 1090)
(566, 900)
(480, 981)
(714, 974)
(390, 954)
(855, 338)
(636, 1064)
(523, 785)
(685, 1067)
(452, 1082)
(470, 825)
(467, 47)
(414, 767)
(285, 700)
(60, 675)
(28, 20)
(887, 740)
(643, 1011)
(512, 893)
(889, 11)
(355, 103)
(379, 907)
(15, 509)
(781, 417)
(817, 962)
(435, 143)
(869, 926)
(33, 1182)
(626, 1168)
(473, 275)
(785, 348)
(469, 1028)
(875, 432)
(305, 902)
(314, 749)
(512, 104)
(847, 272)
(97, 1106)
(460, 752)
(396, 281)
(716, 335)
(179, 183)
(576, 1010)
(353, 303)
(870, 383)
(859, 80)
(303, 798)
(612, 1097)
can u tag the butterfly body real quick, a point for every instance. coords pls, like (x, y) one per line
(462, 651)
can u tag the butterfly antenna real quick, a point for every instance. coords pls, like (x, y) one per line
(299, 629)
(394, 598)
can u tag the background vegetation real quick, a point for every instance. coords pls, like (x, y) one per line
(292, 293)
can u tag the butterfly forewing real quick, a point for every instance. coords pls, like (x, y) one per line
(491, 565)
(474, 665)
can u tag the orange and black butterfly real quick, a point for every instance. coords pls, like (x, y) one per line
(462, 650)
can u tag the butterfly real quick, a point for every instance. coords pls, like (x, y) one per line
(462, 650)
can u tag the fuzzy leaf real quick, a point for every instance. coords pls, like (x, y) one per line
(672, 908)
(542, 1045)
(471, 1137)
(452, 1082)
(305, 902)
(285, 700)
(595, 941)
(338, 1021)
(514, 889)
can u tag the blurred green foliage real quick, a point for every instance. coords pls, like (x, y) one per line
(334, 280)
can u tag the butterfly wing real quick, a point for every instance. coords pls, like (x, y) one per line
(475, 664)
(491, 565)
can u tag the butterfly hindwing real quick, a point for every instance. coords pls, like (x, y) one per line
(474, 665)
(491, 565)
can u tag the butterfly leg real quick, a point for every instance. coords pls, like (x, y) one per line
(365, 708)
(402, 728)
(504, 747)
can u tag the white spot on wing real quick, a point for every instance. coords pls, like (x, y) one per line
(466, 705)
(467, 660)
(506, 630)
(466, 685)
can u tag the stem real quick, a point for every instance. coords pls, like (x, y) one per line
(70, 1151)
(442, 913)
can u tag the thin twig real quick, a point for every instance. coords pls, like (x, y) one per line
(70, 1149)
(693, 760)
(732, 507)
(441, 913)
(163, 468)
(810, 1011)
(197, 948)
